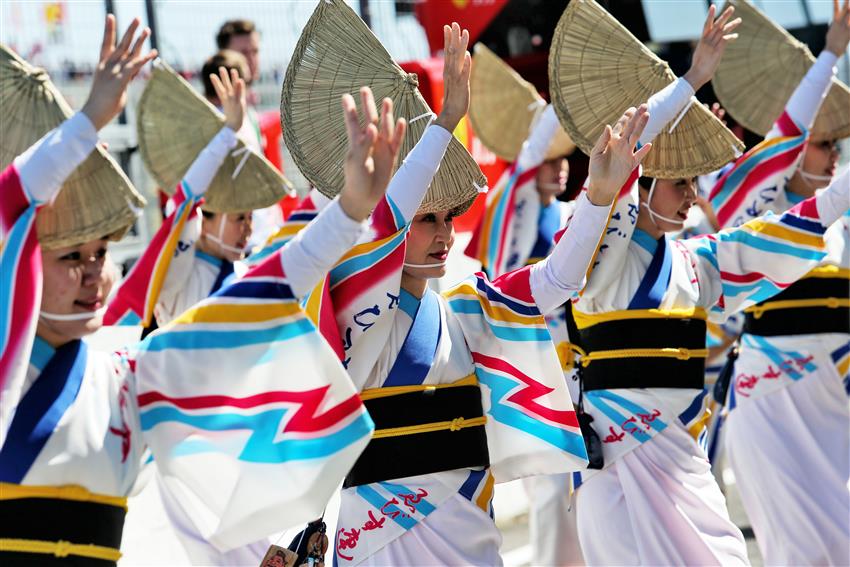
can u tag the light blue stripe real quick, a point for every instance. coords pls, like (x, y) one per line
(644, 240)
(656, 424)
(762, 289)
(423, 507)
(562, 439)
(261, 446)
(208, 258)
(224, 339)
(398, 218)
(408, 303)
(373, 497)
(754, 241)
(615, 416)
(8, 268)
(521, 334)
(41, 353)
(359, 263)
(777, 355)
(129, 319)
(498, 220)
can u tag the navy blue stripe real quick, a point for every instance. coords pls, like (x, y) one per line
(656, 279)
(494, 295)
(803, 224)
(224, 271)
(686, 416)
(40, 410)
(416, 356)
(256, 289)
(303, 216)
(467, 490)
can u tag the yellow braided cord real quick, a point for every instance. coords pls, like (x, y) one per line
(584, 320)
(678, 353)
(9, 491)
(372, 393)
(830, 302)
(454, 425)
(60, 548)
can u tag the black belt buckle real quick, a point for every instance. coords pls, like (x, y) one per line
(592, 443)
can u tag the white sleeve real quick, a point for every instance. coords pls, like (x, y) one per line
(555, 279)
(45, 166)
(411, 181)
(315, 249)
(834, 201)
(665, 106)
(534, 149)
(804, 104)
(203, 169)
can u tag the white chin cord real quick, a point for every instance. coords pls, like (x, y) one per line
(73, 316)
(437, 265)
(808, 178)
(652, 214)
(218, 241)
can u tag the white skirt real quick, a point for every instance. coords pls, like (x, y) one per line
(552, 521)
(790, 451)
(457, 533)
(658, 505)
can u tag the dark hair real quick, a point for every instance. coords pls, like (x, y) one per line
(645, 182)
(226, 58)
(232, 28)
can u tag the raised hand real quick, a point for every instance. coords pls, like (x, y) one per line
(838, 35)
(118, 65)
(372, 152)
(457, 64)
(613, 158)
(716, 34)
(230, 90)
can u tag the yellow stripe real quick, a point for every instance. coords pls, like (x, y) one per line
(160, 270)
(483, 500)
(237, 313)
(456, 424)
(373, 393)
(829, 271)
(784, 233)
(314, 302)
(830, 302)
(73, 492)
(843, 366)
(699, 426)
(60, 548)
(287, 230)
(677, 353)
(496, 312)
(584, 320)
(366, 247)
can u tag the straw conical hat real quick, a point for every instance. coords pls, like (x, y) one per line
(97, 200)
(338, 54)
(759, 72)
(597, 69)
(175, 124)
(504, 106)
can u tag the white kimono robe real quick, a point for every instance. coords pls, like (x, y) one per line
(787, 432)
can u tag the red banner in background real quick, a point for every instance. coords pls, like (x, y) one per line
(430, 74)
(474, 15)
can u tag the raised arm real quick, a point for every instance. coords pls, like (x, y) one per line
(666, 105)
(562, 274)
(534, 149)
(413, 178)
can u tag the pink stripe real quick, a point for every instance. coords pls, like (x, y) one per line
(15, 200)
(515, 284)
(526, 397)
(806, 209)
(347, 291)
(749, 277)
(306, 419)
(787, 126)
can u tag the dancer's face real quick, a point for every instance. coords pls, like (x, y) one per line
(77, 279)
(552, 178)
(430, 238)
(672, 198)
(234, 229)
(821, 159)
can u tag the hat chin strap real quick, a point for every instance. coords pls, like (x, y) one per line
(72, 316)
(437, 265)
(808, 178)
(219, 242)
(652, 214)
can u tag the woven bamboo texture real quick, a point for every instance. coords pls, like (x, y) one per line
(175, 124)
(337, 54)
(760, 70)
(597, 69)
(97, 200)
(504, 107)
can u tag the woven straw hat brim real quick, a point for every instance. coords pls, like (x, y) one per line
(759, 72)
(338, 54)
(597, 69)
(175, 124)
(97, 200)
(503, 107)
